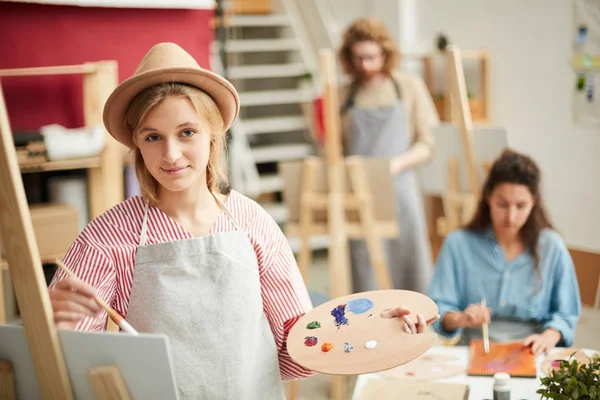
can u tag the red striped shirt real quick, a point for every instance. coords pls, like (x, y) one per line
(103, 255)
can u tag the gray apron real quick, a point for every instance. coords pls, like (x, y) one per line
(204, 293)
(382, 132)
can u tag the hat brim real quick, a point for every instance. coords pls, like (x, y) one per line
(220, 90)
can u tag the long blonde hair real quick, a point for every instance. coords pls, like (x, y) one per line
(143, 102)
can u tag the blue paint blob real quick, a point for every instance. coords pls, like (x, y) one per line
(359, 306)
(340, 315)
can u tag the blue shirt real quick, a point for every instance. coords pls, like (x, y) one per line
(472, 266)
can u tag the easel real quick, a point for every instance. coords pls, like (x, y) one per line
(459, 206)
(336, 203)
(25, 268)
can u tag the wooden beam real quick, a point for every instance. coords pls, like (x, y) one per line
(459, 96)
(53, 70)
(339, 251)
(7, 381)
(26, 272)
(105, 184)
(341, 284)
(107, 383)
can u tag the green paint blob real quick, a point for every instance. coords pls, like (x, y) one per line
(313, 325)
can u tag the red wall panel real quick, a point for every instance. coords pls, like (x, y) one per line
(34, 35)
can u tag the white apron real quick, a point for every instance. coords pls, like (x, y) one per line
(204, 293)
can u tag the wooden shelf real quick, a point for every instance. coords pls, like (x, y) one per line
(78, 163)
(45, 259)
(479, 105)
(52, 70)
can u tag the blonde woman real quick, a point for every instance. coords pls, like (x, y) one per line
(388, 114)
(211, 271)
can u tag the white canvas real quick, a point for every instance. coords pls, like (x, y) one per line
(488, 142)
(144, 362)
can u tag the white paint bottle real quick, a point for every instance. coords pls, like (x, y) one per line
(501, 386)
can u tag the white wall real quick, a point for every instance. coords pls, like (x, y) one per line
(530, 46)
(345, 11)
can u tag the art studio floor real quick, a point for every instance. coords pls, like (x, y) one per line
(317, 387)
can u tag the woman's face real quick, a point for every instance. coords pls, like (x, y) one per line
(368, 58)
(510, 206)
(175, 144)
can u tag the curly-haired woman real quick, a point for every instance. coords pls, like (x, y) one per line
(386, 113)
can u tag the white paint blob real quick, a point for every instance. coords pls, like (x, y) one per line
(371, 344)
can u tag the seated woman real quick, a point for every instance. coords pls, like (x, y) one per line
(509, 255)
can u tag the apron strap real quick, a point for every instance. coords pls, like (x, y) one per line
(397, 87)
(354, 86)
(227, 212)
(143, 235)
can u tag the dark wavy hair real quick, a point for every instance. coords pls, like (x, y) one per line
(368, 29)
(512, 167)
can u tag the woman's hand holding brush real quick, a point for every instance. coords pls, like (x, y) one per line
(72, 300)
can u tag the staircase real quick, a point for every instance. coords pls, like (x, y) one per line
(270, 66)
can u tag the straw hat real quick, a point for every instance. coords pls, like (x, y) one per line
(167, 62)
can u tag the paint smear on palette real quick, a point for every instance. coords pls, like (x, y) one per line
(310, 341)
(359, 306)
(313, 325)
(340, 315)
(326, 347)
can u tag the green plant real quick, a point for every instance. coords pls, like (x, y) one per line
(573, 380)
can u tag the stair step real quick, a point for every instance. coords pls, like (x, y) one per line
(258, 20)
(274, 124)
(278, 211)
(270, 183)
(271, 97)
(252, 45)
(281, 152)
(266, 71)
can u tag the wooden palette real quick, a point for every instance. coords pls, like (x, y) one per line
(355, 320)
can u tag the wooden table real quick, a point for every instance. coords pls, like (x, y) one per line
(479, 387)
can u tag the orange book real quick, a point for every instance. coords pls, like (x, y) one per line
(514, 358)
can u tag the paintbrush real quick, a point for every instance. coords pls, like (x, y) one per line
(117, 319)
(486, 336)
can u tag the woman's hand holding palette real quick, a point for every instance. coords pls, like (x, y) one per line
(349, 336)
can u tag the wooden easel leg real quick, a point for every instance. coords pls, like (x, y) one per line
(338, 387)
(293, 387)
(106, 183)
(7, 381)
(360, 186)
(340, 277)
(2, 305)
(107, 383)
(451, 214)
(23, 258)
(309, 175)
